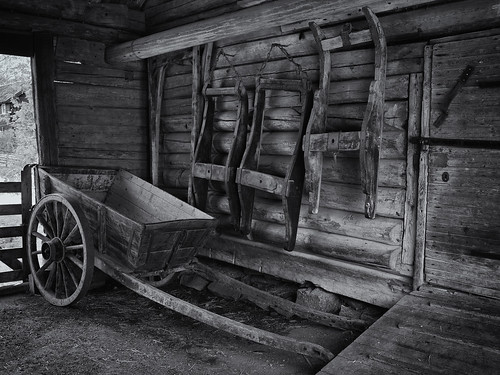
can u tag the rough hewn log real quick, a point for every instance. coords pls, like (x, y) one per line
(267, 15)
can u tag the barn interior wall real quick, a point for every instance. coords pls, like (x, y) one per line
(100, 117)
(371, 260)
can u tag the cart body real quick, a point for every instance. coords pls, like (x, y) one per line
(138, 225)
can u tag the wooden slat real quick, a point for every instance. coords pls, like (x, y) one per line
(6, 232)
(10, 209)
(410, 218)
(418, 267)
(10, 187)
(427, 332)
(9, 276)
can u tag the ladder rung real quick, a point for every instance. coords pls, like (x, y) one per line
(221, 91)
(212, 172)
(335, 141)
(261, 181)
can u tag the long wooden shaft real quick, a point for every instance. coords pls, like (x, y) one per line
(266, 15)
(212, 319)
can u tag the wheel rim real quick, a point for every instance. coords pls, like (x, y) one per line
(60, 250)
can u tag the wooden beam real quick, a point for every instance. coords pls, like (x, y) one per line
(241, 22)
(420, 241)
(42, 67)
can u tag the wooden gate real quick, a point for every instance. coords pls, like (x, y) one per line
(15, 203)
(460, 167)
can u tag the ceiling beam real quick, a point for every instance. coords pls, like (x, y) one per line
(262, 16)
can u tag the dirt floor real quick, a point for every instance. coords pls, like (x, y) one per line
(114, 331)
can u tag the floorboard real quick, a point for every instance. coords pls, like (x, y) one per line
(432, 331)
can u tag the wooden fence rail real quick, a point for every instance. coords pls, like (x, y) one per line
(15, 258)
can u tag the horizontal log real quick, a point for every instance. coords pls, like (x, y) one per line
(267, 15)
(136, 167)
(10, 187)
(16, 231)
(99, 96)
(426, 22)
(104, 153)
(363, 283)
(283, 143)
(384, 230)
(338, 196)
(10, 209)
(329, 245)
(97, 76)
(392, 172)
(103, 117)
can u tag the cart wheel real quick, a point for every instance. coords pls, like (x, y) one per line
(158, 281)
(60, 250)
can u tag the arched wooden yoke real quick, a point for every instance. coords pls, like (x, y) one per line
(203, 168)
(249, 178)
(368, 140)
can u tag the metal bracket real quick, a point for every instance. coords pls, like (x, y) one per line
(462, 80)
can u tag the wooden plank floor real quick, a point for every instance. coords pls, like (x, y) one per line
(432, 331)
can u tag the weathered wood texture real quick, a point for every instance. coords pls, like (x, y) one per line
(428, 332)
(101, 109)
(241, 22)
(337, 276)
(12, 257)
(82, 19)
(340, 215)
(479, 92)
(463, 221)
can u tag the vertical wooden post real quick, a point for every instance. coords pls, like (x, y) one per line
(156, 78)
(201, 71)
(44, 98)
(419, 264)
(410, 216)
(26, 200)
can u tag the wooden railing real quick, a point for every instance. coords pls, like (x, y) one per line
(15, 257)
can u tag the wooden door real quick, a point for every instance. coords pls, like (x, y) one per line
(462, 237)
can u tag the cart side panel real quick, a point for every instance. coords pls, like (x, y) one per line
(146, 203)
(121, 236)
(93, 182)
(123, 240)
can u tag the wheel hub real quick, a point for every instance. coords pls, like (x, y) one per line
(53, 249)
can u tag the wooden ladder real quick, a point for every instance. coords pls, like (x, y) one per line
(203, 167)
(368, 140)
(289, 188)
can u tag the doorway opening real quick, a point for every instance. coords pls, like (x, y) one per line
(18, 147)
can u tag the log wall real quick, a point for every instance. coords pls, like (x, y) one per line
(97, 116)
(339, 240)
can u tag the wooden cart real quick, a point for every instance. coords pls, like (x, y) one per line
(139, 235)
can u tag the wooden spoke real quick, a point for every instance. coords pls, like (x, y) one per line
(67, 275)
(46, 226)
(72, 235)
(49, 221)
(40, 236)
(51, 278)
(74, 272)
(57, 217)
(66, 223)
(59, 288)
(75, 260)
(74, 247)
(44, 267)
